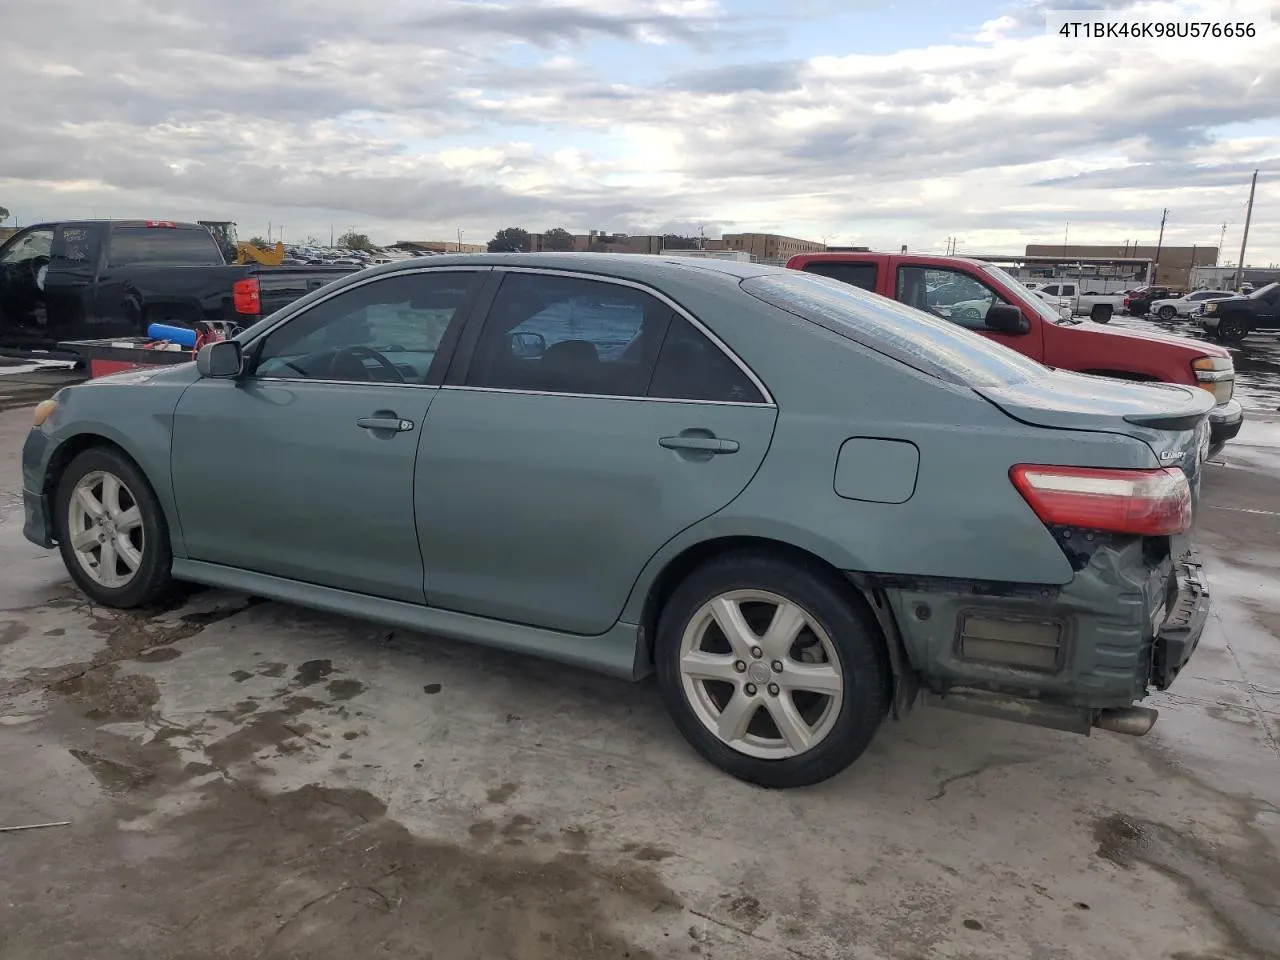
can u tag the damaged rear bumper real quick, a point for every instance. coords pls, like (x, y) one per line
(1069, 657)
(1179, 634)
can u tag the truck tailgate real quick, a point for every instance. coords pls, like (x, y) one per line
(280, 286)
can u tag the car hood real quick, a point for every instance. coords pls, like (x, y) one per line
(1194, 348)
(1235, 299)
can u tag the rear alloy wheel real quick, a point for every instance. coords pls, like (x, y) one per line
(1167, 312)
(1232, 330)
(771, 670)
(111, 531)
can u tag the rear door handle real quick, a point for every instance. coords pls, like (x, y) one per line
(385, 423)
(700, 444)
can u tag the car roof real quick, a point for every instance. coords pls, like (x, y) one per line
(634, 266)
(178, 224)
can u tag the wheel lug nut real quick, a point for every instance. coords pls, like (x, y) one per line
(751, 689)
(757, 652)
(777, 666)
(773, 689)
(739, 666)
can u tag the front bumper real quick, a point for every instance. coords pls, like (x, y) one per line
(1188, 612)
(1225, 421)
(36, 517)
(1207, 320)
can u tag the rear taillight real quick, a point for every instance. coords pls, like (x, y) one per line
(247, 296)
(1152, 503)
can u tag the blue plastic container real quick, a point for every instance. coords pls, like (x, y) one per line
(183, 336)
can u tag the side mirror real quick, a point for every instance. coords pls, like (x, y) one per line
(528, 345)
(1006, 318)
(221, 359)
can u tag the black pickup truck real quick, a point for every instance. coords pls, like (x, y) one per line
(1233, 319)
(89, 279)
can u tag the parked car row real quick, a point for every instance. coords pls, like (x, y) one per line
(801, 504)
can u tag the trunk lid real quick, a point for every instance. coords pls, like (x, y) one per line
(280, 286)
(1172, 419)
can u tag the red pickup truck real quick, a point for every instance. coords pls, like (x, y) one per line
(989, 301)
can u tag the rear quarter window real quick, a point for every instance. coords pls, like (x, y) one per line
(921, 341)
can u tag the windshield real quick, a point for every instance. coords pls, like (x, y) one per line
(1266, 291)
(1039, 306)
(920, 340)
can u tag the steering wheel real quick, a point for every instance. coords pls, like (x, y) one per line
(969, 313)
(359, 353)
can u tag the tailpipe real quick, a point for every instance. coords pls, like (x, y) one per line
(1134, 721)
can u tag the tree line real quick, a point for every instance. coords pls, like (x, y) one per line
(518, 240)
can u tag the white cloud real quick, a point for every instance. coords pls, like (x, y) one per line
(411, 119)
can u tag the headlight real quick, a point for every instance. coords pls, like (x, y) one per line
(44, 410)
(1217, 375)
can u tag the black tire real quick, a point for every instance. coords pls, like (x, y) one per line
(1101, 313)
(1231, 330)
(854, 633)
(1167, 312)
(151, 581)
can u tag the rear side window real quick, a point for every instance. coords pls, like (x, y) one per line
(862, 275)
(920, 340)
(163, 246)
(555, 334)
(691, 367)
(73, 245)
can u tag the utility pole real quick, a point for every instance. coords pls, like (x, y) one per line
(1160, 243)
(1066, 231)
(1222, 238)
(1248, 215)
(331, 234)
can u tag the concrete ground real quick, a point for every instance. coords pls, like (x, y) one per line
(247, 779)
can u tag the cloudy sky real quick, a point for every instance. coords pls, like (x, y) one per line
(858, 121)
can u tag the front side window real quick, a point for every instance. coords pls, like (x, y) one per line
(555, 334)
(947, 293)
(387, 331)
(163, 247)
(36, 243)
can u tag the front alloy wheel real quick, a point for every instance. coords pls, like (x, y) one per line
(111, 530)
(1167, 312)
(104, 524)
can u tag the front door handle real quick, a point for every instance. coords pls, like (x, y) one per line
(699, 444)
(385, 423)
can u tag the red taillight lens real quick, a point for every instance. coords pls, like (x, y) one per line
(1151, 503)
(246, 296)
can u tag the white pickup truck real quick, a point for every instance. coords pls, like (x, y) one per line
(1067, 294)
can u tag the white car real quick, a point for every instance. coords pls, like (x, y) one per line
(1067, 296)
(1185, 306)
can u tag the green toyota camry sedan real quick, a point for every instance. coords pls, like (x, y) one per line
(804, 507)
